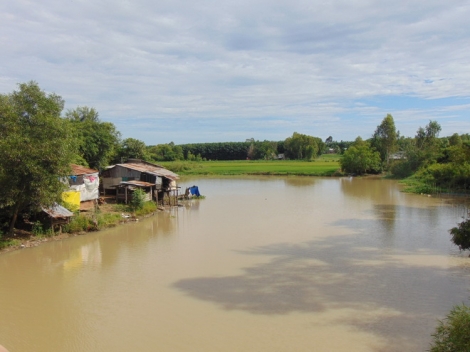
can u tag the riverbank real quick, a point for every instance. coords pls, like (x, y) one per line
(104, 216)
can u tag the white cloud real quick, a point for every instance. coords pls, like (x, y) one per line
(275, 65)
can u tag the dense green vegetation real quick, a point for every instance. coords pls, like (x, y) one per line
(36, 146)
(453, 333)
(361, 158)
(427, 163)
(461, 235)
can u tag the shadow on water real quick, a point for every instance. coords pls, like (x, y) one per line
(355, 271)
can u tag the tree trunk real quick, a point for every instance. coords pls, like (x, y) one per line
(13, 220)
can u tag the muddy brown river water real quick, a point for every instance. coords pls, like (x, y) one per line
(261, 264)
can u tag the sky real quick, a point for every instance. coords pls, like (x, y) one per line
(218, 71)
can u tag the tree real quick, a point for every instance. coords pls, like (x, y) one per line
(455, 140)
(166, 152)
(425, 149)
(360, 158)
(133, 148)
(384, 139)
(302, 146)
(36, 148)
(262, 150)
(98, 141)
(461, 235)
(453, 333)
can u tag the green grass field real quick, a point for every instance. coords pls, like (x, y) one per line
(326, 165)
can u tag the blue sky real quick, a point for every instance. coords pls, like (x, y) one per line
(210, 71)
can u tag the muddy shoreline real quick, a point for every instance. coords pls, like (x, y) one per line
(28, 239)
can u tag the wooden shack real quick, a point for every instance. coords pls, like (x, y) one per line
(57, 216)
(155, 180)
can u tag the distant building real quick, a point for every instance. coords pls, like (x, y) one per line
(398, 156)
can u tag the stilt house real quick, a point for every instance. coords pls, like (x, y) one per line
(156, 181)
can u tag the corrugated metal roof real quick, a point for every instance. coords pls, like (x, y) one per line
(155, 170)
(82, 170)
(57, 211)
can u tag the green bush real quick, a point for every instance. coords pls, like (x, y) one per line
(37, 228)
(79, 223)
(461, 235)
(137, 200)
(449, 176)
(453, 333)
(401, 168)
(108, 220)
(147, 208)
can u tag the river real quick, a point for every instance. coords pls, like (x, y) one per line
(261, 264)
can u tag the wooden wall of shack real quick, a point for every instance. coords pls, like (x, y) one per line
(113, 176)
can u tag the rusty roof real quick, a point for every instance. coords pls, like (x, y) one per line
(57, 211)
(82, 170)
(151, 169)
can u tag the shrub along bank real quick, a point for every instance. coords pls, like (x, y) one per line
(108, 215)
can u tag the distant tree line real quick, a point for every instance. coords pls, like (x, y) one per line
(298, 146)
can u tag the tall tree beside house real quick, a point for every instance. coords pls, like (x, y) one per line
(36, 147)
(132, 148)
(98, 142)
(385, 139)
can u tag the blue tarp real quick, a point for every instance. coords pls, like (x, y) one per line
(194, 191)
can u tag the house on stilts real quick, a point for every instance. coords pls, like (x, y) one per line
(158, 183)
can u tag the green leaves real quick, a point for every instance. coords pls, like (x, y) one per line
(301, 146)
(98, 142)
(461, 235)
(361, 158)
(453, 333)
(384, 139)
(35, 149)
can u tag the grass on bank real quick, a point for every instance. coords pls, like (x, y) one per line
(418, 185)
(81, 222)
(326, 165)
(100, 220)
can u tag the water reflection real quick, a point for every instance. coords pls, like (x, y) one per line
(87, 254)
(301, 181)
(372, 188)
(319, 275)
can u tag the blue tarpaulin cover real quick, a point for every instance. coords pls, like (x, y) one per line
(194, 191)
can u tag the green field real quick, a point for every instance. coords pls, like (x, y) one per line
(326, 165)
